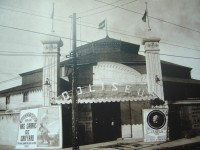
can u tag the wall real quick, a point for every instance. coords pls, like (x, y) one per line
(15, 101)
(131, 115)
(137, 131)
(35, 98)
(11, 83)
(32, 77)
(9, 129)
(85, 124)
(2, 103)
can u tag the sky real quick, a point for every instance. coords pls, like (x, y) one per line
(25, 23)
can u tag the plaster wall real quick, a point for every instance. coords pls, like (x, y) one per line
(135, 132)
(9, 129)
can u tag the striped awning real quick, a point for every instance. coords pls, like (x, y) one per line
(97, 94)
(106, 100)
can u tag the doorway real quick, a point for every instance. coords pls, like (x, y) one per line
(106, 121)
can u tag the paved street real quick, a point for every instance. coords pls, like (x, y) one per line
(130, 144)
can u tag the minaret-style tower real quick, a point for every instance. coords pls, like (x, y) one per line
(51, 69)
(153, 67)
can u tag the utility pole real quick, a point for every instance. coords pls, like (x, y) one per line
(74, 92)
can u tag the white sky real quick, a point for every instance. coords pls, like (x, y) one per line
(123, 23)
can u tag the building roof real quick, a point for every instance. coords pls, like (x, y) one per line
(22, 89)
(106, 49)
(124, 58)
(31, 72)
(180, 80)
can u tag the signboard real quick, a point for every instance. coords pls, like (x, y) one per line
(195, 116)
(155, 124)
(40, 128)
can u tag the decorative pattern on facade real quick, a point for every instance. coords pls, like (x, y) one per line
(111, 72)
(109, 93)
(151, 46)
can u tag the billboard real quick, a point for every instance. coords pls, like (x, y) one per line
(155, 124)
(40, 128)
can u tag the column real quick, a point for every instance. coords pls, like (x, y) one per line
(51, 69)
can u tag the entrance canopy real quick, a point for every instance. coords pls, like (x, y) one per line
(107, 93)
(112, 82)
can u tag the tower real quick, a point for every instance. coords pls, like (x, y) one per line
(51, 68)
(153, 67)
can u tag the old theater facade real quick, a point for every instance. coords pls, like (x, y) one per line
(111, 107)
(112, 90)
(115, 84)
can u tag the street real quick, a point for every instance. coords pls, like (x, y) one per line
(131, 144)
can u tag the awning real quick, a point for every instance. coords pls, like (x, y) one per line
(185, 102)
(106, 100)
(107, 93)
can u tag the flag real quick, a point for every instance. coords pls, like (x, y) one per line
(52, 15)
(102, 24)
(144, 16)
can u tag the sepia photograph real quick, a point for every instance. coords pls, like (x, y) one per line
(100, 74)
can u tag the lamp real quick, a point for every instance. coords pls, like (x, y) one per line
(47, 82)
(157, 78)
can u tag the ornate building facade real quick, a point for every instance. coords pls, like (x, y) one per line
(115, 84)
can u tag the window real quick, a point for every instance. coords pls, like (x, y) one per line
(25, 97)
(8, 99)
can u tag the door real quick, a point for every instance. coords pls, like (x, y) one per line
(106, 121)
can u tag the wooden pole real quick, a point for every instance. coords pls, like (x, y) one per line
(74, 92)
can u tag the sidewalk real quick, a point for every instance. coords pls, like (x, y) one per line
(132, 144)
(177, 144)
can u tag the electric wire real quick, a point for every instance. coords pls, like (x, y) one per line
(141, 37)
(108, 8)
(86, 11)
(188, 57)
(36, 32)
(48, 16)
(87, 26)
(16, 78)
(148, 16)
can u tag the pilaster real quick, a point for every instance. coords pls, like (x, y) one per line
(153, 67)
(51, 69)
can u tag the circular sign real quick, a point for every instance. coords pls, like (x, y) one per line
(156, 119)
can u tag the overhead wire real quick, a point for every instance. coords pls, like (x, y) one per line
(87, 41)
(31, 31)
(16, 78)
(38, 14)
(108, 8)
(89, 23)
(187, 57)
(141, 37)
(148, 16)
(86, 11)
(95, 28)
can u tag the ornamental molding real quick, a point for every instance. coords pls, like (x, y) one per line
(50, 47)
(151, 46)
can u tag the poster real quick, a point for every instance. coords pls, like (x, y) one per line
(40, 128)
(155, 124)
(195, 116)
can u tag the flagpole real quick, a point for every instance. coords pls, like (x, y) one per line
(52, 29)
(148, 17)
(106, 28)
(52, 17)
